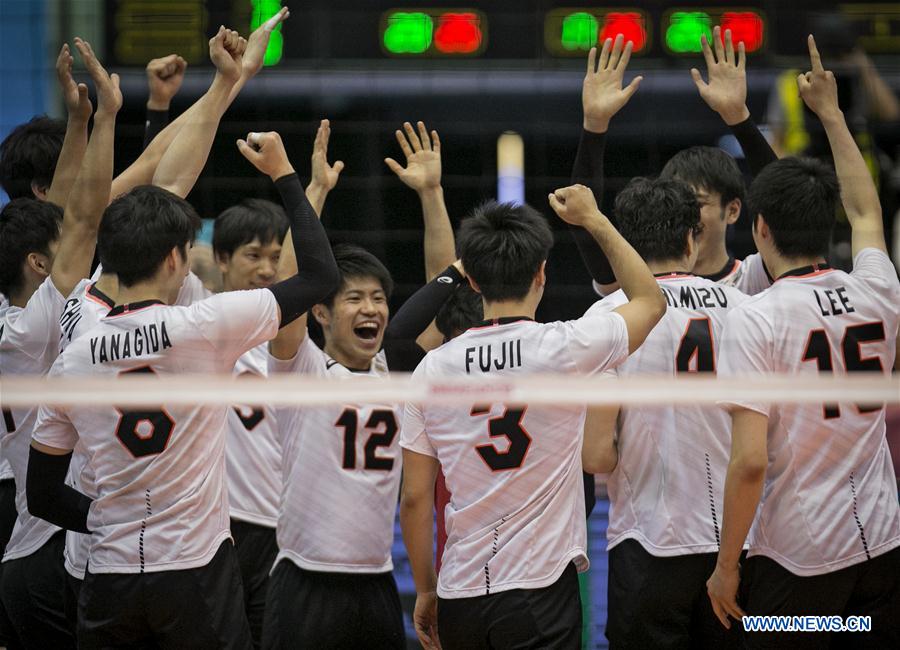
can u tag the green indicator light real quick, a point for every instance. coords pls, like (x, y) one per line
(684, 31)
(408, 33)
(579, 31)
(262, 11)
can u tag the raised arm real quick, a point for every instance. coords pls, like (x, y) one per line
(164, 78)
(74, 145)
(420, 309)
(576, 205)
(423, 174)
(90, 194)
(726, 94)
(324, 176)
(859, 197)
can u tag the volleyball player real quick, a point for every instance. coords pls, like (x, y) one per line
(41, 263)
(663, 530)
(514, 471)
(813, 484)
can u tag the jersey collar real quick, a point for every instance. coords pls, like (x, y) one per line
(99, 296)
(668, 275)
(724, 271)
(118, 310)
(503, 320)
(805, 271)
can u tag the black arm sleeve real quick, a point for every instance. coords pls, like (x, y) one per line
(156, 122)
(420, 309)
(49, 497)
(317, 272)
(588, 170)
(756, 148)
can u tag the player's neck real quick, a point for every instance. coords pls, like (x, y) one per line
(152, 289)
(349, 361)
(710, 263)
(669, 266)
(108, 283)
(508, 308)
(30, 284)
(778, 265)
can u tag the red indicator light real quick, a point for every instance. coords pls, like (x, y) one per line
(458, 33)
(629, 24)
(745, 26)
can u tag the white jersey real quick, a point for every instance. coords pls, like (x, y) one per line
(29, 339)
(159, 473)
(515, 519)
(830, 496)
(252, 452)
(667, 489)
(341, 467)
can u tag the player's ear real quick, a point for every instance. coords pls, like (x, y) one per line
(39, 191)
(322, 314)
(473, 284)
(541, 276)
(38, 263)
(732, 211)
(222, 260)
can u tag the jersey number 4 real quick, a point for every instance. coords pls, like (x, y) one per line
(509, 426)
(379, 419)
(145, 432)
(818, 349)
(695, 352)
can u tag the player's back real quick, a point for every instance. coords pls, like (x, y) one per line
(666, 490)
(159, 472)
(515, 519)
(830, 497)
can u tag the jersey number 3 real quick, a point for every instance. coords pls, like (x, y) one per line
(509, 426)
(145, 432)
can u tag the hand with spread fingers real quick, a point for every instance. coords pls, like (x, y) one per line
(266, 152)
(259, 42)
(602, 95)
(74, 95)
(423, 157)
(109, 97)
(726, 90)
(164, 77)
(818, 87)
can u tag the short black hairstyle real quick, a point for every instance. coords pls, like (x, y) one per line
(140, 228)
(798, 199)
(26, 226)
(248, 220)
(29, 154)
(707, 168)
(502, 246)
(355, 262)
(462, 309)
(656, 215)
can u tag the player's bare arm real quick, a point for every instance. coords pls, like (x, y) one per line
(859, 197)
(79, 109)
(84, 209)
(743, 489)
(599, 453)
(423, 175)
(324, 176)
(416, 522)
(164, 78)
(185, 158)
(646, 305)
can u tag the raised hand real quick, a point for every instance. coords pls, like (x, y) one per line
(324, 176)
(109, 97)
(74, 95)
(266, 152)
(164, 77)
(226, 50)
(818, 87)
(574, 204)
(602, 95)
(423, 158)
(259, 41)
(726, 91)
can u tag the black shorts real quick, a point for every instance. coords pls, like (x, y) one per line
(314, 609)
(549, 617)
(256, 551)
(8, 637)
(33, 592)
(871, 588)
(190, 608)
(661, 602)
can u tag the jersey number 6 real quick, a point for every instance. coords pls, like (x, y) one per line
(509, 426)
(144, 433)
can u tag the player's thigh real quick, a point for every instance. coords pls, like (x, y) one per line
(201, 607)
(256, 549)
(111, 612)
(380, 616)
(876, 594)
(461, 623)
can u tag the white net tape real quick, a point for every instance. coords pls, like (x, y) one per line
(536, 389)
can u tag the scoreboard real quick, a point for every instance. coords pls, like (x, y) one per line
(321, 32)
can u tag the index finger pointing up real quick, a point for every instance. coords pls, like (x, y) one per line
(814, 56)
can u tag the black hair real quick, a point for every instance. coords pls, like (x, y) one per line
(356, 262)
(707, 168)
(797, 197)
(462, 309)
(502, 247)
(29, 154)
(26, 226)
(248, 220)
(140, 228)
(656, 215)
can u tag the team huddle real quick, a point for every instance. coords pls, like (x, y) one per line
(256, 526)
